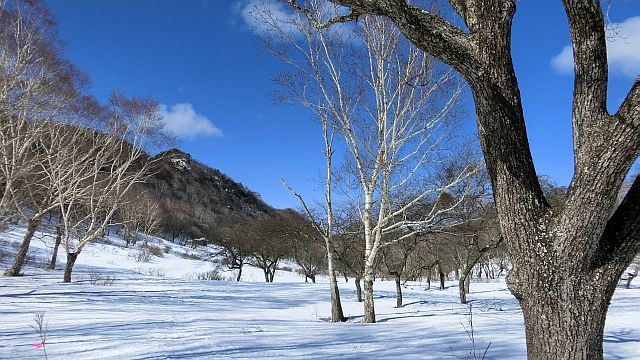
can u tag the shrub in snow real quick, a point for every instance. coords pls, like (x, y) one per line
(96, 278)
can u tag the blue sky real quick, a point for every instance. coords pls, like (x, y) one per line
(204, 64)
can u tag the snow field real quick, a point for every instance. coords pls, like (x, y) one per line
(173, 316)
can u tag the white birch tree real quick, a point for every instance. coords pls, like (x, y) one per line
(391, 105)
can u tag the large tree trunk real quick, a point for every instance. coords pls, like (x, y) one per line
(239, 273)
(54, 256)
(68, 269)
(565, 318)
(398, 291)
(19, 260)
(358, 289)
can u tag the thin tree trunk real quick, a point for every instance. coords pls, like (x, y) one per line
(358, 289)
(336, 303)
(239, 273)
(54, 256)
(272, 273)
(398, 291)
(68, 269)
(19, 260)
(313, 278)
(441, 274)
(266, 274)
(337, 315)
(467, 282)
(462, 289)
(630, 277)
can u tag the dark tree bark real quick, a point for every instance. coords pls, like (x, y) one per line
(462, 289)
(441, 276)
(266, 274)
(68, 269)
(564, 317)
(630, 277)
(474, 253)
(21, 256)
(54, 256)
(337, 315)
(398, 291)
(239, 273)
(272, 274)
(358, 289)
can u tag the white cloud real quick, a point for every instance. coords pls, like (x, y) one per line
(269, 17)
(623, 50)
(563, 62)
(184, 122)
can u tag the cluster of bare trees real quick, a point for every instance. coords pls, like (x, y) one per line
(391, 109)
(61, 151)
(264, 242)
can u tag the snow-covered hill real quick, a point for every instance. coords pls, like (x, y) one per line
(119, 308)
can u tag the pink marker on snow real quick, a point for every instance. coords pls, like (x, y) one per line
(38, 345)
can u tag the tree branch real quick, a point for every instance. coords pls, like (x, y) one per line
(629, 111)
(352, 16)
(620, 241)
(316, 225)
(586, 23)
(428, 31)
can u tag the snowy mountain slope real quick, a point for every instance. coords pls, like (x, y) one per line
(174, 317)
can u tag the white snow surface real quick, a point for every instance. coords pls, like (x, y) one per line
(176, 317)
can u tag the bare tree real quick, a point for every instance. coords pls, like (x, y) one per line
(395, 259)
(391, 105)
(139, 214)
(56, 244)
(38, 90)
(270, 243)
(477, 233)
(591, 237)
(326, 228)
(234, 239)
(309, 252)
(98, 171)
(348, 247)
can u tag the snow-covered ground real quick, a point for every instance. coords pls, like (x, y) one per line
(173, 316)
